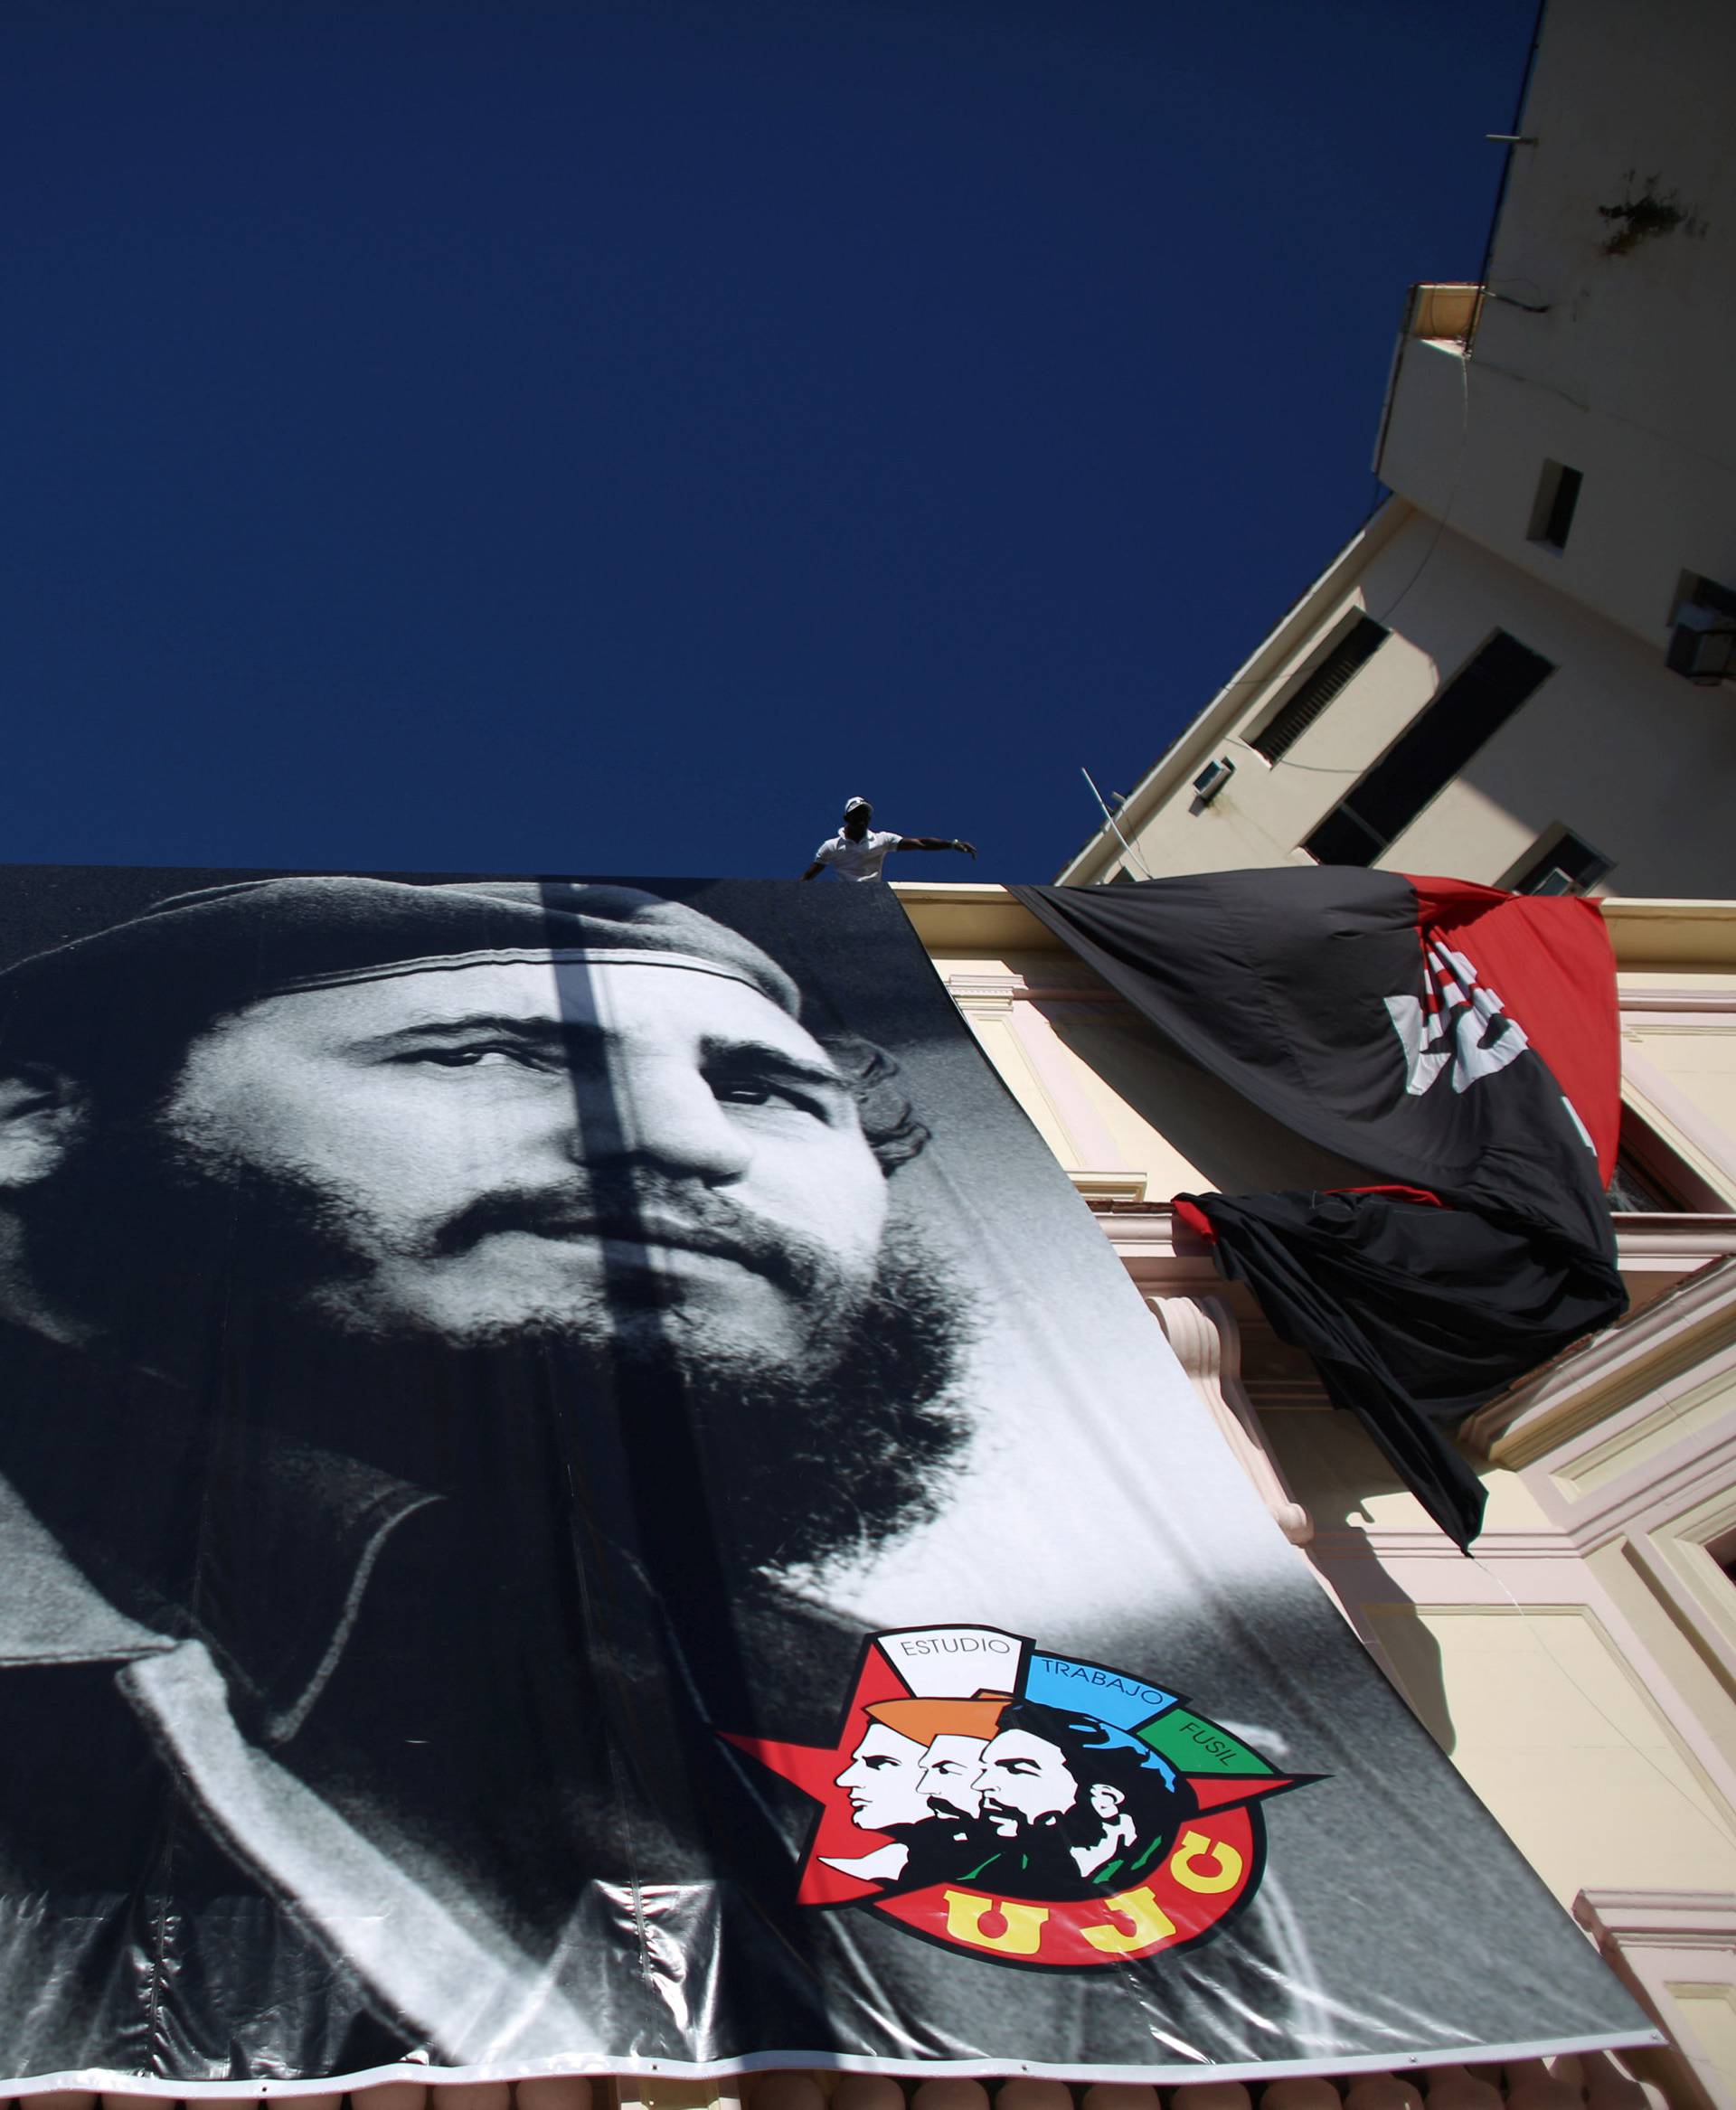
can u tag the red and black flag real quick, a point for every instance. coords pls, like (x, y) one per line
(1458, 1041)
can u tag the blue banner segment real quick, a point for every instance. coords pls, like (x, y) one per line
(1108, 1696)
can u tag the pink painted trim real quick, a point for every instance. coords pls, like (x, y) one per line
(1056, 1071)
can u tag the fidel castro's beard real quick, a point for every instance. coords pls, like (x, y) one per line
(215, 1275)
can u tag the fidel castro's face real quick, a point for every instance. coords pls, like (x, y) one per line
(952, 1776)
(596, 1151)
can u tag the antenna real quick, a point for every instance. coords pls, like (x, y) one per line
(1110, 818)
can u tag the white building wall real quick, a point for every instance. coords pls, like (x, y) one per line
(1635, 760)
(1580, 1667)
(1604, 344)
(1600, 345)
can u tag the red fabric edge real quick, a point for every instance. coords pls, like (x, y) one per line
(1195, 1218)
(1550, 959)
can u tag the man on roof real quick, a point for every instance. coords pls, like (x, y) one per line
(859, 849)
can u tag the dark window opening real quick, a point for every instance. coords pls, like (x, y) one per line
(1694, 592)
(1652, 1179)
(1564, 866)
(1702, 632)
(1430, 752)
(1632, 1191)
(1552, 513)
(1318, 687)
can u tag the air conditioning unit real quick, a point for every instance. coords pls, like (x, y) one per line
(1703, 643)
(1211, 780)
(1702, 647)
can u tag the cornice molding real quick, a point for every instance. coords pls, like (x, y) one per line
(1673, 1919)
(1597, 1378)
(1165, 1258)
(1113, 1184)
(1693, 1004)
(1702, 1465)
(1347, 1542)
(1670, 932)
(980, 916)
(1011, 987)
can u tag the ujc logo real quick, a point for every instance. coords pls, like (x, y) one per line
(1026, 1808)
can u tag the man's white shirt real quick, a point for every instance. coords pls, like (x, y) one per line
(857, 860)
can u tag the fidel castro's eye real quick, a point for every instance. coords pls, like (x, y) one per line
(731, 1087)
(495, 1055)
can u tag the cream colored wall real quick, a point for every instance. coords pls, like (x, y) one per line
(1681, 1077)
(1089, 1126)
(1616, 365)
(1612, 745)
(1623, 373)
(1647, 512)
(1527, 1668)
(1126, 1116)
(1634, 1466)
(1579, 1670)
(1579, 1763)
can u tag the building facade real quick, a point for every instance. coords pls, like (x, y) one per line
(1580, 1668)
(1519, 670)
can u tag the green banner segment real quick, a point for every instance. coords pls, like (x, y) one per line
(1194, 1744)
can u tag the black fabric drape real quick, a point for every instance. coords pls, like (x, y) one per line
(1283, 983)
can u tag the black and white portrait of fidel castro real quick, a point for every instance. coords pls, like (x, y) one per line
(435, 1318)
(470, 1348)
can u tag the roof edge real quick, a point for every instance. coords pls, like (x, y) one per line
(1175, 763)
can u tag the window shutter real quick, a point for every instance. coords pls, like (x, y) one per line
(1430, 752)
(1293, 718)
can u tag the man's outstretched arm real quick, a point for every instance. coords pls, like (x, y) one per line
(814, 870)
(936, 843)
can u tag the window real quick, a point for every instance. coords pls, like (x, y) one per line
(1653, 1178)
(1703, 632)
(1694, 592)
(1632, 1193)
(1317, 687)
(1559, 863)
(1552, 511)
(1430, 752)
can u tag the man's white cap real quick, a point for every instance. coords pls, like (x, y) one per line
(850, 806)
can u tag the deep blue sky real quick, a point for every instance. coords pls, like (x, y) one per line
(600, 436)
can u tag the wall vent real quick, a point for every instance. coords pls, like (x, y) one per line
(1318, 687)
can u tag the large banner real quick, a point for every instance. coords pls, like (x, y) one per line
(580, 1493)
